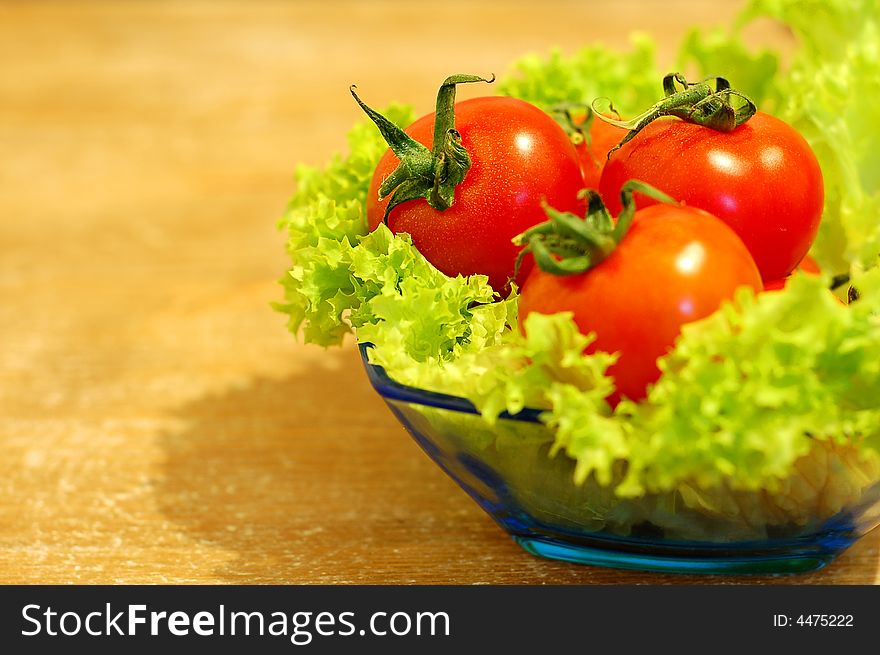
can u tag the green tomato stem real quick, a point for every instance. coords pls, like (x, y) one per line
(568, 245)
(422, 173)
(718, 106)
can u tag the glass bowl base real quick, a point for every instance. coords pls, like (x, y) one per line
(728, 563)
(509, 469)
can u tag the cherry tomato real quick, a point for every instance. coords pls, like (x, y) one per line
(674, 266)
(762, 179)
(808, 265)
(519, 157)
(594, 154)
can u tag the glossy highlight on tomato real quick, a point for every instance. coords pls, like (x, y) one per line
(762, 179)
(674, 266)
(519, 157)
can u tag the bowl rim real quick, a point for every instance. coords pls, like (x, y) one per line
(392, 390)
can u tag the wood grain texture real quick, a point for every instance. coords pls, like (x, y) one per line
(158, 423)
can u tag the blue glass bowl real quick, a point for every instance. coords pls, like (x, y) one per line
(508, 470)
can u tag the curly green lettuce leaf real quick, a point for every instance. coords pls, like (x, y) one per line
(324, 220)
(831, 95)
(711, 53)
(630, 79)
(758, 398)
(410, 308)
(506, 370)
(835, 105)
(598, 441)
(823, 27)
(747, 391)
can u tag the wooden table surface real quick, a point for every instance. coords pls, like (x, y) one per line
(157, 422)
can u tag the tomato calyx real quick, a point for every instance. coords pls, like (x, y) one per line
(577, 119)
(566, 244)
(422, 173)
(717, 106)
(565, 114)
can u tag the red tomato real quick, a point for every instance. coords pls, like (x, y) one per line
(674, 266)
(808, 265)
(762, 179)
(775, 285)
(603, 137)
(519, 156)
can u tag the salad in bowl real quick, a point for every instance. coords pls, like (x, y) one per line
(641, 333)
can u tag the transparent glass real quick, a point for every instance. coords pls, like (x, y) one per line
(831, 501)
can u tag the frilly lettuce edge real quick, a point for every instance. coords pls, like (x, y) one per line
(746, 394)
